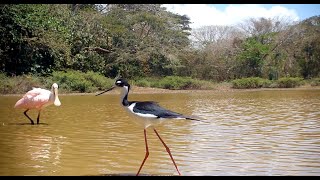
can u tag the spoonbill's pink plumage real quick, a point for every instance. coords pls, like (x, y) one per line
(38, 99)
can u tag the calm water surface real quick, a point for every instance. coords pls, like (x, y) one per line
(273, 132)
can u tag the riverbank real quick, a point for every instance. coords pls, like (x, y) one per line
(219, 88)
(74, 82)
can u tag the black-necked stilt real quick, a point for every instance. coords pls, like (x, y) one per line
(149, 113)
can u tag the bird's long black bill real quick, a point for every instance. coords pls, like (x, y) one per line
(105, 91)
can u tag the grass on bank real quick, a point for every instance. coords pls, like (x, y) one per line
(79, 82)
(256, 82)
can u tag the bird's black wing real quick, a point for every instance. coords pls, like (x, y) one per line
(150, 107)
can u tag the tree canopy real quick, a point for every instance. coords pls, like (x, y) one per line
(142, 40)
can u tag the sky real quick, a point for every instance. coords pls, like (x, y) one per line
(232, 14)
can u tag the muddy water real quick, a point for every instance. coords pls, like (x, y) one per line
(269, 132)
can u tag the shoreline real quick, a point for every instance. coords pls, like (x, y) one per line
(149, 90)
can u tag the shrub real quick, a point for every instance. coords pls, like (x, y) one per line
(99, 81)
(315, 82)
(176, 82)
(252, 82)
(143, 83)
(289, 82)
(72, 81)
(76, 81)
(18, 84)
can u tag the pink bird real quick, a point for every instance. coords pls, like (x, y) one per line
(38, 99)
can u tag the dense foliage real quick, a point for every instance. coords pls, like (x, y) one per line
(43, 38)
(145, 40)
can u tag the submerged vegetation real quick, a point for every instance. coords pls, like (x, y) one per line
(83, 47)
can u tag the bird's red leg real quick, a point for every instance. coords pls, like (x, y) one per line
(25, 113)
(168, 150)
(147, 151)
(38, 118)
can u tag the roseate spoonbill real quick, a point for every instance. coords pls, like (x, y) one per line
(148, 113)
(38, 99)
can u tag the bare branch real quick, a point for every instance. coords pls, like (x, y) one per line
(98, 49)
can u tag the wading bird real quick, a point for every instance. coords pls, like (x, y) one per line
(148, 114)
(38, 99)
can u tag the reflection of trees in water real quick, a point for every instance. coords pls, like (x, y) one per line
(45, 149)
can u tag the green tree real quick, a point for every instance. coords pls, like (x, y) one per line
(251, 58)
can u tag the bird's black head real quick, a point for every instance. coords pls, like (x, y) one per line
(121, 82)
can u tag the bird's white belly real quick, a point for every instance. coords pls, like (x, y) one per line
(145, 120)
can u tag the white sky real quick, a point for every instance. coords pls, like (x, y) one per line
(205, 14)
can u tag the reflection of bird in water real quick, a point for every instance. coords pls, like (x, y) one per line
(38, 99)
(149, 113)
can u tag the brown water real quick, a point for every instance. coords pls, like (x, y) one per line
(273, 132)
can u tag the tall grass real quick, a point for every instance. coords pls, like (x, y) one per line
(76, 81)
(252, 82)
(174, 83)
(315, 82)
(289, 82)
(256, 82)
(18, 84)
(70, 81)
